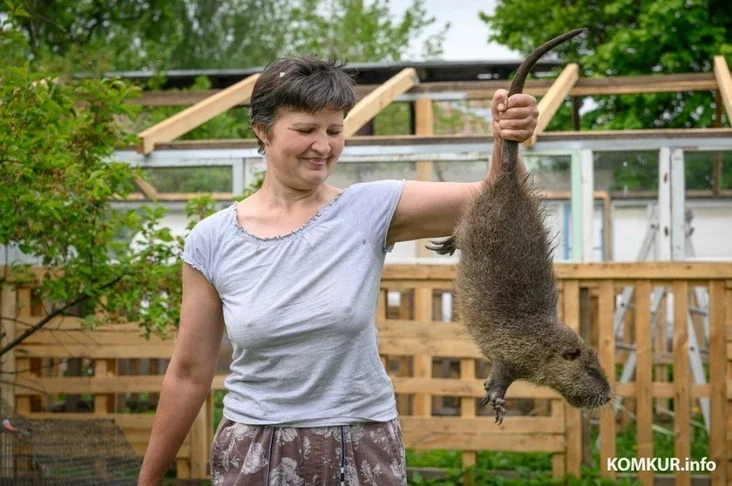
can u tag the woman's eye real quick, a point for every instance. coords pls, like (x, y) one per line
(334, 133)
(305, 130)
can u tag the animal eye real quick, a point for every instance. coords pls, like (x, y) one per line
(571, 354)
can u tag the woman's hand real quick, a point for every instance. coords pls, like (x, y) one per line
(515, 120)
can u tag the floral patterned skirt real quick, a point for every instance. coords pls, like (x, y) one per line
(353, 455)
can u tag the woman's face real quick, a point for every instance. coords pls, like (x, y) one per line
(302, 148)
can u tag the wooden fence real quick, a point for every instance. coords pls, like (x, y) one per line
(437, 373)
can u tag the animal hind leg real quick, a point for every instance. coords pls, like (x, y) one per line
(495, 390)
(444, 247)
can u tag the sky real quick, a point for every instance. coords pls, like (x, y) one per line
(467, 37)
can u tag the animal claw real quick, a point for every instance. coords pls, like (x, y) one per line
(497, 403)
(443, 247)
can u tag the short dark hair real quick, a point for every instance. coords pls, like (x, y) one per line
(303, 84)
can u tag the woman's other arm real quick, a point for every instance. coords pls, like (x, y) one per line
(188, 378)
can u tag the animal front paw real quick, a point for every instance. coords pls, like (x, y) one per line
(443, 247)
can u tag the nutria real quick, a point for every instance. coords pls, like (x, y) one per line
(506, 291)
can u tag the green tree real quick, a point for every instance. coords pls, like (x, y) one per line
(88, 35)
(629, 38)
(57, 138)
(360, 31)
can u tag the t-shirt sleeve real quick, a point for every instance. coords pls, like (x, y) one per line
(379, 203)
(197, 249)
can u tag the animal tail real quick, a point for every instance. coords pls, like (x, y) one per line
(510, 147)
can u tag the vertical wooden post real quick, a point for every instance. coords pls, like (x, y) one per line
(423, 125)
(573, 417)
(22, 365)
(199, 450)
(8, 309)
(381, 316)
(467, 411)
(660, 350)
(607, 358)
(682, 382)
(423, 363)
(584, 311)
(644, 403)
(104, 403)
(405, 313)
(718, 358)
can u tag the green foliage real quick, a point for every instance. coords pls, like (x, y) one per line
(117, 35)
(627, 38)
(360, 31)
(631, 38)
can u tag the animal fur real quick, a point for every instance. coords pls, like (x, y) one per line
(506, 289)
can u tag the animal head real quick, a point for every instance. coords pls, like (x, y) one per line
(573, 369)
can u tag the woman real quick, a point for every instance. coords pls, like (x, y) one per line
(292, 274)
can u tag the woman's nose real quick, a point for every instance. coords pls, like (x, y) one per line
(321, 144)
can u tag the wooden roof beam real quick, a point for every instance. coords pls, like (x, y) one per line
(724, 80)
(372, 104)
(201, 112)
(552, 100)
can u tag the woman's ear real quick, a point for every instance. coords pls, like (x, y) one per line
(261, 133)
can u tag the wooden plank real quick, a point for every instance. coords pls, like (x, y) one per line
(372, 104)
(74, 324)
(624, 271)
(484, 89)
(89, 351)
(717, 378)
(420, 329)
(422, 362)
(467, 412)
(661, 389)
(97, 384)
(396, 140)
(424, 169)
(724, 80)
(148, 190)
(552, 101)
(682, 396)
(425, 440)
(644, 397)
(199, 445)
(608, 434)
(8, 298)
(512, 425)
(92, 338)
(466, 388)
(573, 417)
(411, 347)
(192, 117)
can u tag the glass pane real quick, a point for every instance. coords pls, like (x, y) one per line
(460, 171)
(190, 179)
(550, 173)
(347, 173)
(699, 169)
(626, 171)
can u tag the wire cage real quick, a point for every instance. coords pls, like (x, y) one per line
(64, 452)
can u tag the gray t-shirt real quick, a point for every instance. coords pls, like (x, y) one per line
(300, 311)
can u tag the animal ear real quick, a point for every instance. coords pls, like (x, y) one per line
(571, 354)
